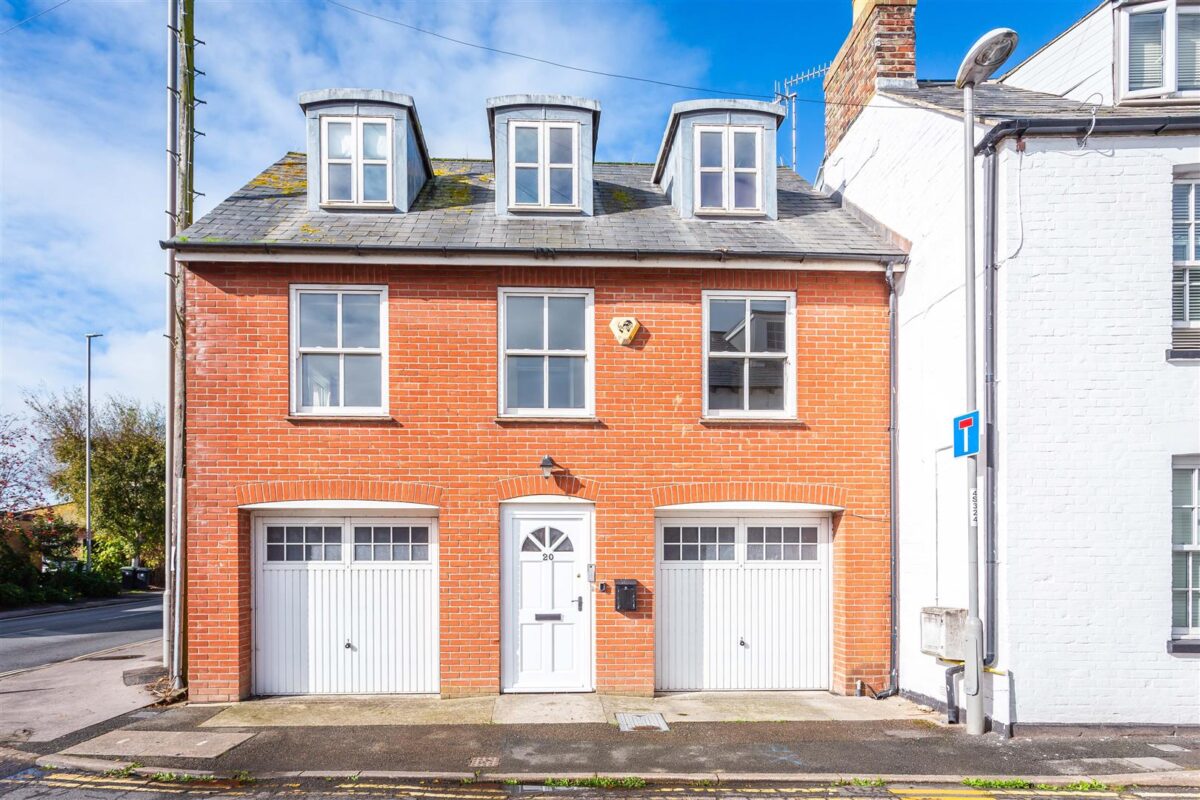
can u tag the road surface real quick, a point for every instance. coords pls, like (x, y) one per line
(48, 638)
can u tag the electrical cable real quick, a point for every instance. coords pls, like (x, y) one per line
(43, 12)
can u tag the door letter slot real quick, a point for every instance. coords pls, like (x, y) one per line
(547, 617)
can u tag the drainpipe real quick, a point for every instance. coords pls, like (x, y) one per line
(893, 433)
(951, 700)
(990, 176)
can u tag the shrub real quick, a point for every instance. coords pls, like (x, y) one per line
(12, 596)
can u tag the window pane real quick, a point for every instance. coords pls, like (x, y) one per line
(363, 381)
(710, 190)
(340, 140)
(768, 326)
(362, 535)
(754, 552)
(568, 317)
(360, 320)
(295, 552)
(1181, 526)
(313, 552)
(1180, 196)
(1179, 571)
(1179, 242)
(527, 185)
(333, 552)
(274, 552)
(745, 154)
(725, 383)
(313, 535)
(562, 186)
(1181, 487)
(339, 182)
(712, 149)
(318, 320)
(726, 326)
(420, 552)
(745, 191)
(560, 146)
(523, 323)
(524, 379)
(1145, 50)
(295, 534)
(791, 552)
(526, 145)
(375, 144)
(1179, 615)
(400, 552)
(333, 534)
(566, 382)
(671, 552)
(275, 535)
(808, 552)
(725, 535)
(420, 535)
(375, 188)
(1188, 53)
(726, 551)
(319, 381)
(766, 385)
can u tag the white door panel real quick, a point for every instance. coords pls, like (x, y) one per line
(546, 600)
(742, 623)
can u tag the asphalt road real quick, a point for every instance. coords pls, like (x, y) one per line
(48, 638)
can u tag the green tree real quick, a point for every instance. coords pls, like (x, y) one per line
(128, 464)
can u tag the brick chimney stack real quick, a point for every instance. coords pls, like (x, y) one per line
(879, 52)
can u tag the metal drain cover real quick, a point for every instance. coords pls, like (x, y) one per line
(641, 722)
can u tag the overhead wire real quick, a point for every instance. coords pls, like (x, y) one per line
(41, 13)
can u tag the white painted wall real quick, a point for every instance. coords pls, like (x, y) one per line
(1092, 413)
(1090, 410)
(1077, 65)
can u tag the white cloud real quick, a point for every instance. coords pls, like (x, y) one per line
(81, 139)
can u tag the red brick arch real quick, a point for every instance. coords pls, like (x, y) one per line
(565, 485)
(734, 491)
(333, 489)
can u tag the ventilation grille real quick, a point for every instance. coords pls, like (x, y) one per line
(1185, 339)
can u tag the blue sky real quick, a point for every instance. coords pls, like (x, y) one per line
(82, 111)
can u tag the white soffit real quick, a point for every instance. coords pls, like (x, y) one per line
(341, 505)
(750, 506)
(547, 499)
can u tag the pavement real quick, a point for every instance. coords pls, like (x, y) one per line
(35, 637)
(897, 747)
(46, 703)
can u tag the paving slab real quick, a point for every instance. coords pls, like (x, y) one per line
(354, 711)
(43, 704)
(169, 744)
(766, 707)
(541, 709)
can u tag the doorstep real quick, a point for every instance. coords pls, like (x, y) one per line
(532, 709)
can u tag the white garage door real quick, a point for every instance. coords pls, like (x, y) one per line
(345, 605)
(743, 603)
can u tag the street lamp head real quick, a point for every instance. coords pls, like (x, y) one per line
(986, 56)
(93, 335)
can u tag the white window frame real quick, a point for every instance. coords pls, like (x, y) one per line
(347, 524)
(1171, 10)
(1189, 464)
(789, 358)
(741, 523)
(357, 162)
(728, 169)
(1188, 265)
(543, 165)
(296, 351)
(589, 354)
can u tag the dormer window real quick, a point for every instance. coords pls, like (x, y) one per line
(728, 172)
(356, 161)
(1160, 49)
(543, 165)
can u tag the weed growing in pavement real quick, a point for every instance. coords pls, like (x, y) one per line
(243, 776)
(509, 781)
(868, 782)
(1079, 786)
(124, 772)
(181, 777)
(597, 782)
(997, 783)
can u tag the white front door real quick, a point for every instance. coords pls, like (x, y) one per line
(546, 599)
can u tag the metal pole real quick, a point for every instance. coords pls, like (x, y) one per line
(793, 131)
(87, 458)
(169, 608)
(972, 676)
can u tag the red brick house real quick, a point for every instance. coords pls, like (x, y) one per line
(538, 423)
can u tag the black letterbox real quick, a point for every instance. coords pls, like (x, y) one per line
(626, 594)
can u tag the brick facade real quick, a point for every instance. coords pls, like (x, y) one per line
(881, 47)
(443, 445)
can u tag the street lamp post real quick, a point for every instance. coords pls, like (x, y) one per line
(981, 61)
(87, 455)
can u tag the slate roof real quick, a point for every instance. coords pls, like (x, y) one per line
(996, 102)
(454, 212)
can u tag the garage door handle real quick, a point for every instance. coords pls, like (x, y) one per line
(741, 642)
(348, 645)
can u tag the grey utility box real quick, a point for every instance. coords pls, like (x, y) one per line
(944, 632)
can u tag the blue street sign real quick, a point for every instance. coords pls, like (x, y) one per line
(966, 434)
